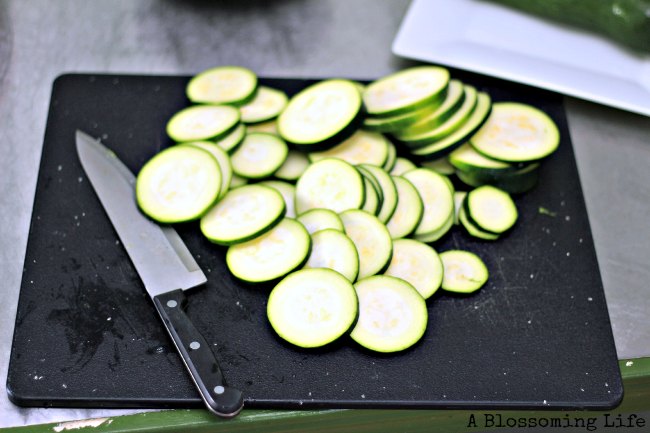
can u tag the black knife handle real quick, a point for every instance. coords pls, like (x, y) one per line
(197, 356)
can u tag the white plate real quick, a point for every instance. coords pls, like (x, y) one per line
(491, 39)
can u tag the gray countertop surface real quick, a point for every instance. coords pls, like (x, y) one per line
(40, 40)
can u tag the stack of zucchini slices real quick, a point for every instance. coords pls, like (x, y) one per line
(335, 194)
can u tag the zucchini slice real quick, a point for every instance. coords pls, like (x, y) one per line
(398, 122)
(236, 181)
(222, 159)
(371, 203)
(178, 184)
(409, 210)
(515, 182)
(466, 159)
(243, 214)
(294, 166)
(259, 155)
(491, 209)
(321, 115)
(363, 147)
(436, 234)
(436, 196)
(453, 101)
(267, 104)
(406, 90)
(392, 157)
(372, 240)
(447, 127)
(222, 85)
(330, 184)
(517, 133)
(288, 193)
(334, 250)
(418, 264)
(459, 199)
(312, 307)
(472, 228)
(230, 142)
(464, 272)
(440, 165)
(202, 122)
(440, 148)
(320, 219)
(392, 314)
(271, 255)
(270, 127)
(402, 165)
(388, 190)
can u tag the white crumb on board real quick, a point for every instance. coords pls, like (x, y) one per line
(629, 364)
(76, 425)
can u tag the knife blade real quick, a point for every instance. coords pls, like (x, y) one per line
(165, 266)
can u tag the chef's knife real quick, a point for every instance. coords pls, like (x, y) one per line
(165, 266)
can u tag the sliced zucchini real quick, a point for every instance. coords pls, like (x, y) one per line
(222, 85)
(440, 165)
(288, 193)
(178, 184)
(388, 190)
(452, 103)
(330, 184)
(464, 272)
(334, 250)
(418, 264)
(371, 203)
(402, 165)
(374, 182)
(236, 181)
(392, 157)
(406, 90)
(408, 213)
(230, 142)
(321, 115)
(472, 228)
(243, 214)
(267, 104)
(270, 127)
(202, 122)
(398, 122)
(259, 155)
(222, 159)
(271, 255)
(442, 147)
(363, 147)
(491, 209)
(294, 166)
(517, 133)
(459, 199)
(450, 125)
(436, 196)
(515, 182)
(371, 238)
(321, 219)
(436, 234)
(312, 307)
(392, 314)
(467, 159)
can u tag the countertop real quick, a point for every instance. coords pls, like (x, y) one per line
(40, 40)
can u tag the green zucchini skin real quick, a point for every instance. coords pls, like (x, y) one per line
(624, 21)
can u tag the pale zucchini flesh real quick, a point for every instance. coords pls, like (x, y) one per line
(242, 214)
(371, 239)
(418, 264)
(222, 159)
(312, 307)
(202, 122)
(392, 314)
(267, 104)
(259, 155)
(363, 147)
(330, 184)
(408, 214)
(491, 209)
(222, 85)
(464, 271)
(333, 249)
(288, 193)
(271, 255)
(436, 196)
(320, 219)
(178, 184)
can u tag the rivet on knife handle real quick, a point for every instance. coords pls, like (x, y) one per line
(198, 357)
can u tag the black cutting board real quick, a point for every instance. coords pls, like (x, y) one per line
(537, 335)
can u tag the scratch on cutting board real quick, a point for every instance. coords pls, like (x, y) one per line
(76, 425)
